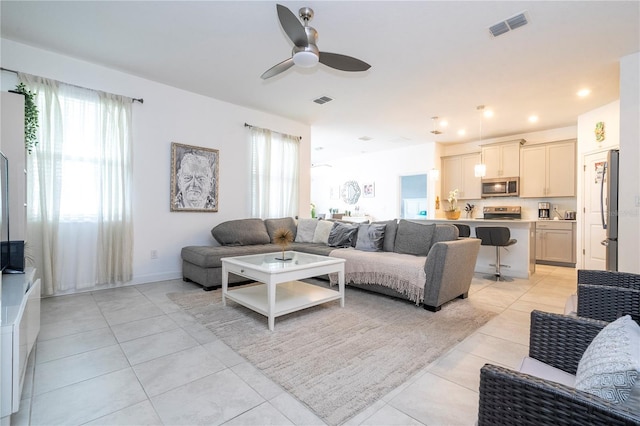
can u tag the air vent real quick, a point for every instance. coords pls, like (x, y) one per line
(323, 100)
(365, 138)
(499, 29)
(510, 24)
(517, 21)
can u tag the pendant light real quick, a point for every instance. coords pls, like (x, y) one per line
(435, 131)
(480, 170)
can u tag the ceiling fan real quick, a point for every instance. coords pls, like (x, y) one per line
(305, 52)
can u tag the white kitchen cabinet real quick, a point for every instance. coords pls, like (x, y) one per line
(502, 160)
(548, 170)
(458, 172)
(555, 242)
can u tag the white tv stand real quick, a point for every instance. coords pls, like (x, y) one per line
(20, 323)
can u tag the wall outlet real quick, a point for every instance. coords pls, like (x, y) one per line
(154, 254)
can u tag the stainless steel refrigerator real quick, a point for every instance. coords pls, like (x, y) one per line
(609, 208)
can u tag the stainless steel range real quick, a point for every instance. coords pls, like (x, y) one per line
(502, 212)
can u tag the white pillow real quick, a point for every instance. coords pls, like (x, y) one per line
(610, 367)
(323, 229)
(306, 229)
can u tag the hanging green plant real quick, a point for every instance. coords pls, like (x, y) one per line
(30, 117)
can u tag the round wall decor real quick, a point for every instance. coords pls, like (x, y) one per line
(350, 192)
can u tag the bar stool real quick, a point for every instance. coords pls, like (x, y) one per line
(498, 236)
(463, 230)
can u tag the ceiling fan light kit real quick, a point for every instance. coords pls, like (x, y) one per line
(305, 59)
(305, 52)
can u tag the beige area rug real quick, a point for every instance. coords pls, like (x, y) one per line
(338, 361)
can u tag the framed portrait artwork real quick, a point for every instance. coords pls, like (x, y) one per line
(368, 190)
(194, 178)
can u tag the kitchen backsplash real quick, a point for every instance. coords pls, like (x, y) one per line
(529, 205)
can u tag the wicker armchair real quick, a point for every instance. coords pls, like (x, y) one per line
(607, 295)
(508, 397)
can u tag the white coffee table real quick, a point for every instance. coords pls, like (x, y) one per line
(279, 292)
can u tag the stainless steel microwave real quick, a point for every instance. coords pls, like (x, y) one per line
(501, 187)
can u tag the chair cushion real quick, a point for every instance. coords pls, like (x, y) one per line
(342, 234)
(414, 238)
(610, 367)
(305, 231)
(241, 232)
(370, 237)
(321, 234)
(544, 371)
(571, 305)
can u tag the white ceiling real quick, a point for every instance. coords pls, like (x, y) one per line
(428, 59)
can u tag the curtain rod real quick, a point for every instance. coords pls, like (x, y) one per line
(75, 85)
(249, 125)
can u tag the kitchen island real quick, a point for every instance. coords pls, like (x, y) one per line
(521, 257)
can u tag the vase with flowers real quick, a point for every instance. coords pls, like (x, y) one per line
(453, 212)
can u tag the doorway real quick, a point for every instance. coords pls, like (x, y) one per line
(413, 196)
(593, 232)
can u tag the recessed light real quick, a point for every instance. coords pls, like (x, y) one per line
(584, 92)
(444, 123)
(533, 119)
(488, 113)
(462, 132)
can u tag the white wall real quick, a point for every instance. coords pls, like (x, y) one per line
(384, 169)
(629, 205)
(170, 115)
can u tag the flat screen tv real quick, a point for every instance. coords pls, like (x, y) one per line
(4, 212)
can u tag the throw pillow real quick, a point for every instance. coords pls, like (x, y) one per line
(323, 229)
(389, 234)
(370, 237)
(414, 238)
(284, 223)
(610, 367)
(342, 234)
(241, 232)
(306, 229)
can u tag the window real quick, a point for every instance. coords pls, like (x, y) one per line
(79, 220)
(274, 174)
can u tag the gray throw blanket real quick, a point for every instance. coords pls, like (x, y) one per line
(403, 273)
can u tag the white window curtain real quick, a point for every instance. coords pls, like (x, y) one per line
(274, 174)
(79, 222)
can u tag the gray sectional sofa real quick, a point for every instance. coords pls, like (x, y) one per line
(425, 263)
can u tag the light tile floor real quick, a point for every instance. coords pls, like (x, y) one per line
(129, 356)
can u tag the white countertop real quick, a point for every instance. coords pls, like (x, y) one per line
(482, 220)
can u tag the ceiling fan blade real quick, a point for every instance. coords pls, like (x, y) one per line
(277, 69)
(292, 26)
(343, 62)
